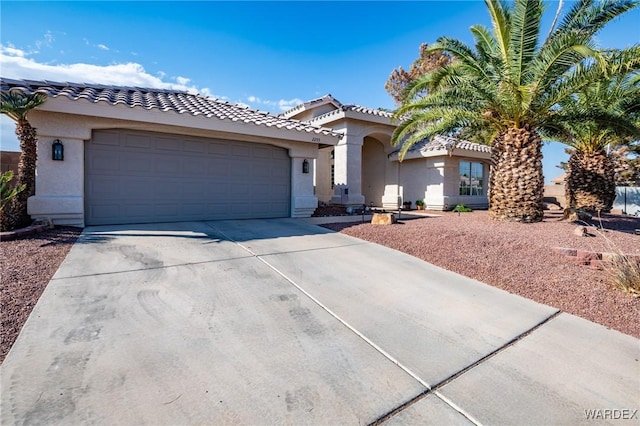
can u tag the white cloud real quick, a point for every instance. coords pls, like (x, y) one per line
(17, 64)
(183, 80)
(288, 104)
(10, 50)
(102, 47)
(280, 105)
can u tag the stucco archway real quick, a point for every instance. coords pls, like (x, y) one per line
(374, 161)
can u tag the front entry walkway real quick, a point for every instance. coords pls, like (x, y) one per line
(283, 322)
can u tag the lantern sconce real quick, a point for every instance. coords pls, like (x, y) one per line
(305, 166)
(57, 150)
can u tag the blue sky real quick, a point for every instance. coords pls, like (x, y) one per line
(268, 55)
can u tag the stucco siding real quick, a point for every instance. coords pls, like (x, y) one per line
(414, 180)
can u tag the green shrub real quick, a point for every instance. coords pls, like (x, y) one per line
(461, 208)
(419, 202)
(8, 191)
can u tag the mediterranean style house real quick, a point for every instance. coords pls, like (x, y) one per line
(363, 168)
(115, 155)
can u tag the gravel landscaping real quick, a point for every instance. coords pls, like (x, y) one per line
(514, 257)
(26, 266)
(518, 258)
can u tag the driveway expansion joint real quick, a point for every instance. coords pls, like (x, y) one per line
(148, 268)
(433, 390)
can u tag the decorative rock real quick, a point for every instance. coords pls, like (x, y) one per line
(383, 219)
(565, 251)
(589, 255)
(576, 215)
(581, 231)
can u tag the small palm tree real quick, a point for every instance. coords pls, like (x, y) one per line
(591, 175)
(16, 105)
(510, 85)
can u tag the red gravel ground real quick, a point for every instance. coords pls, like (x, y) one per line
(26, 266)
(518, 258)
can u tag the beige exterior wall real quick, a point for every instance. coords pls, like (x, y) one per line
(437, 181)
(414, 181)
(60, 184)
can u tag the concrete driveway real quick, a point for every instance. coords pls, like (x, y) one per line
(284, 322)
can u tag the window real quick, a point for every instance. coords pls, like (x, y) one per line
(471, 179)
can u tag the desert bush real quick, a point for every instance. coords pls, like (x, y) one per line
(624, 273)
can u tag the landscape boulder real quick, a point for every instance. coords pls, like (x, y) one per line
(383, 219)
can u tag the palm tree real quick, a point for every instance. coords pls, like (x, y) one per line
(510, 84)
(591, 174)
(16, 105)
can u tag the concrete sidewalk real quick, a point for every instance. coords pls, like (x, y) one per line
(283, 322)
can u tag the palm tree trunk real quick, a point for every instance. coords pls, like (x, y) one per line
(591, 183)
(17, 212)
(516, 182)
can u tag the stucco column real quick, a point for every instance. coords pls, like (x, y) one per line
(303, 200)
(59, 184)
(348, 171)
(322, 170)
(391, 198)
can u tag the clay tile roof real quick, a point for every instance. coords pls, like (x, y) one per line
(339, 107)
(447, 143)
(366, 110)
(165, 100)
(322, 100)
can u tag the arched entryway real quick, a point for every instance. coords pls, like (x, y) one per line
(374, 160)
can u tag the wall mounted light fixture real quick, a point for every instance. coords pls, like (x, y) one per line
(305, 166)
(57, 150)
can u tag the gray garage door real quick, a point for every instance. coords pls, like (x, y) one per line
(140, 177)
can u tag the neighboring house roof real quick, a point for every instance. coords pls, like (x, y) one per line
(326, 99)
(440, 145)
(339, 110)
(559, 180)
(177, 101)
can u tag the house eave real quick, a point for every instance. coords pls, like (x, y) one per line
(122, 112)
(412, 155)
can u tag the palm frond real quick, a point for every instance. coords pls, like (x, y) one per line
(16, 104)
(525, 28)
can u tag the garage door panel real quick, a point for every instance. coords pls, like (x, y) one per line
(137, 141)
(104, 188)
(196, 146)
(168, 144)
(238, 150)
(134, 177)
(196, 166)
(104, 161)
(166, 165)
(104, 211)
(106, 138)
(218, 148)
